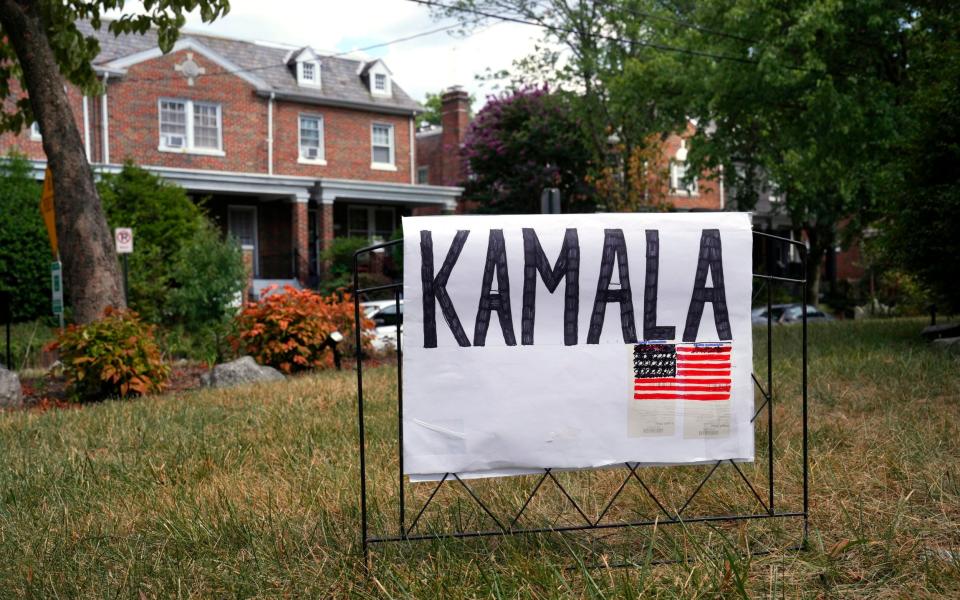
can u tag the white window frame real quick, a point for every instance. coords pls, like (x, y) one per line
(388, 84)
(690, 189)
(381, 166)
(232, 208)
(189, 147)
(426, 175)
(35, 134)
(322, 156)
(302, 80)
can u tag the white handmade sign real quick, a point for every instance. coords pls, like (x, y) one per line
(575, 341)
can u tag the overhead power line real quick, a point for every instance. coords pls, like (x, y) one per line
(686, 24)
(569, 31)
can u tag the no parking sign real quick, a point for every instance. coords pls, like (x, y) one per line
(123, 236)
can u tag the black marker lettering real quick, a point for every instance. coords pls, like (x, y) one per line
(498, 301)
(435, 289)
(614, 249)
(652, 331)
(711, 258)
(567, 266)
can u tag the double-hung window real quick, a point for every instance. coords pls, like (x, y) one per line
(311, 138)
(678, 179)
(382, 144)
(380, 82)
(189, 126)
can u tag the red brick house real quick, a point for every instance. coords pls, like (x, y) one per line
(439, 161)
(291, 147)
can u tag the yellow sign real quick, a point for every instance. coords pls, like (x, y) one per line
(46, 209)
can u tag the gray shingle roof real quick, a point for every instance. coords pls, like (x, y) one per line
(340, 77)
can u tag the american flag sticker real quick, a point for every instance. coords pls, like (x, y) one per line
(698, 372)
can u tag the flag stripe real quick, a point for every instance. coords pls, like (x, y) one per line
(681, 396)
(674, 379)
(683, 388)
(705, 350)
(702, 358)
(703, 372)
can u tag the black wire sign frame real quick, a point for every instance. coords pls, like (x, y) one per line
(510, 525)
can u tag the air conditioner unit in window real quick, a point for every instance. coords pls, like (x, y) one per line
(175, 141)
(311, 153)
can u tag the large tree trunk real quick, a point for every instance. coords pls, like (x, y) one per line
(820, 240)
(92, 277)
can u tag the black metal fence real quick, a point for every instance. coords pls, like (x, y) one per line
(798, 508)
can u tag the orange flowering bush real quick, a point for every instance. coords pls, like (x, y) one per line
(289, 329)
(114, 356)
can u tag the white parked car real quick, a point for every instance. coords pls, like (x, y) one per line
(384, 315)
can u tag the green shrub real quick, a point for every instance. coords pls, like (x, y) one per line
(288, 329)
(339, 256)
(906, 293)
(114, 356)
(209, 277)
(163, 219)
(27, 340)
(24, 246)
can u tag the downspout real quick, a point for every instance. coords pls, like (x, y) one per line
(270, 134)
(86, 127)
(105, 115)
(413, 156)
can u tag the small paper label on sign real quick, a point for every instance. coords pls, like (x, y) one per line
(124, 239)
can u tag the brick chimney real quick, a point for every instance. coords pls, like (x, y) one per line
(454, 118)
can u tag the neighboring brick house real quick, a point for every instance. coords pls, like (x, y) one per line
(439, 160)
(290, 147)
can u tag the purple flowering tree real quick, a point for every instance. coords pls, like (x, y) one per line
(520, 143)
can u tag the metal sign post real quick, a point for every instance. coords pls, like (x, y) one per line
(550, 201)
(56, 289)
(123, 237)
(797, 507)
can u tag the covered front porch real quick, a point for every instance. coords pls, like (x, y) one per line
(284, 229)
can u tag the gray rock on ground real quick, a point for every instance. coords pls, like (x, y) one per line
(11, 394)
(948, 344)
(239, 372)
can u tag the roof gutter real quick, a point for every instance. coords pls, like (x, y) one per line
(104, 70)
(307, 99)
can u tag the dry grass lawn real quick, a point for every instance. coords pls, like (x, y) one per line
(253, 493)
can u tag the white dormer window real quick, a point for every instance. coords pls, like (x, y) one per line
(379, 80)
(35, 132)
(308, 73)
